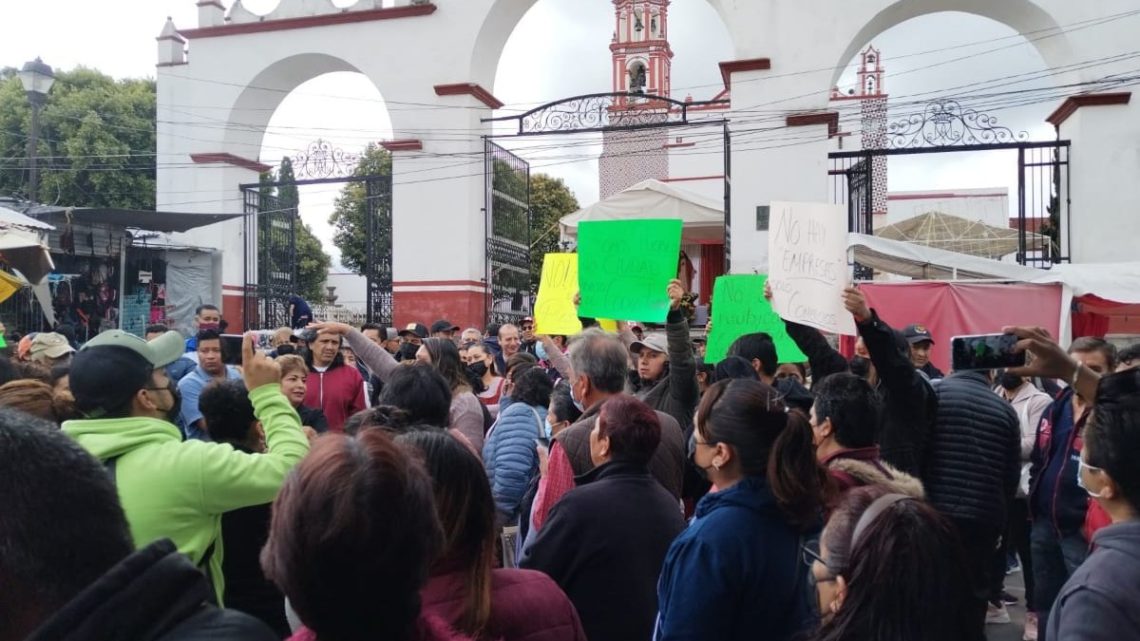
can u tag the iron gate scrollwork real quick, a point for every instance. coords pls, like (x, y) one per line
(945, 123)
(507, 219)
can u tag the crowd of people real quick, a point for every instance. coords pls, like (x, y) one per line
(433, 483)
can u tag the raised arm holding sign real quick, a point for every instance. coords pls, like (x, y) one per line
(807, 265)
(624, 267)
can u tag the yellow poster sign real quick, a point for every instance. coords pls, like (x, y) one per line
(554, 310)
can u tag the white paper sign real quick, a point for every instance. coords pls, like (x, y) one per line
(807, 265)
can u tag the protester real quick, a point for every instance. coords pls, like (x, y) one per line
(1099, 599)
(482, 365)
(889, 568)
(1030, 404)
(337, 389)
(1128, 358)
(509, 453)
(735, 572)
(69, 567)
(907, 399)
(353, 534)
(795, 371)
(471, 335)
(39, 400)
(758, 350)
(294, 385)
(528, 339)
(700, 344)
(60, 378)
(1057, 504)
(604, 541)
(599, 362)
(510, 343)
(170, 488)
(467, 413)
(970, 472)
(412, 337)
(50, 349)
(300, 314)
(229, 418)
(731, 367)
(444, 329)
(843, 421)
(211, 367)
(563, 412)
(465, 589)
(281, 336)
(706, 375)
(206, 317)
(422, 392)
(921, 341)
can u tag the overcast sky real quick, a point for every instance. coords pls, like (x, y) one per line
(560, 49)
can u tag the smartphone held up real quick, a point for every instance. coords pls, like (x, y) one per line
(985, 351)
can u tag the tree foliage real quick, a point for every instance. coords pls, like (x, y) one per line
(550, 200)
(348, 218)
(96, 145)
(312, 261)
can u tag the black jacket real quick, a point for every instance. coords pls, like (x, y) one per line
(677, 393)
(155, 594)
(909, 402)
(244, 533)
(604, 543)
(972, 462)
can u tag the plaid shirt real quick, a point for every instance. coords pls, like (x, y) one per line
(559, 480)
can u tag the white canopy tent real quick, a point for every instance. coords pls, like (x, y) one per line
(22, 245)
(702, 218)
(1117, 282)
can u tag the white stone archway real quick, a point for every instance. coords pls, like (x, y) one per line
(435, 64)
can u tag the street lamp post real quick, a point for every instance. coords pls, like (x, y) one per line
(37, 79)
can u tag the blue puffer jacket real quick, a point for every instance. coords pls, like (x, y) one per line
(735, 573)
(510, 457)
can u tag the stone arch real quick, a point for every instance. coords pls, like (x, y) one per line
(258, 101)
(1023, 16)
(504, 15)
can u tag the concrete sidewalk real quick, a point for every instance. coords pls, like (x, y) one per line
(1014, 584)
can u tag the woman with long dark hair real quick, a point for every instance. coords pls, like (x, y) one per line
(890, 568)
(466, 414)
(465, 589)
(735, 574)
(353, 534)
(509, 453)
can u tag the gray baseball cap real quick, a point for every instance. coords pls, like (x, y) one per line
(159, 352)
(656, 342)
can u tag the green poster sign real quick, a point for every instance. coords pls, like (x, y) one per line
(739, 308)
(624, 268)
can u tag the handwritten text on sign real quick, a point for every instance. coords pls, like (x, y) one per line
(807, 265)
(624, 267)
(554, 311)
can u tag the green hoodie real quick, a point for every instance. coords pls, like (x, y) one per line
(179, 490)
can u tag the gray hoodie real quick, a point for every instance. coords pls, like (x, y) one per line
(1101, 601)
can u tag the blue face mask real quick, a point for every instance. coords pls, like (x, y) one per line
(1081, 467)
(540, 351)
(548, 428)
(574, 399)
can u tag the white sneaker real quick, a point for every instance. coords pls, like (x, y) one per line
(996, 614)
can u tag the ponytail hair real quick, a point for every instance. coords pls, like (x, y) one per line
(800, 484)
(770, 441)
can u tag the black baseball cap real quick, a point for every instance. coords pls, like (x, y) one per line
(443, 326)
(916, 334)
(416, 329)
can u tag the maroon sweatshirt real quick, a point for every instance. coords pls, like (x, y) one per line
(338, 391)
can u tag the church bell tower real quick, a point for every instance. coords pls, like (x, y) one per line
(642, 58)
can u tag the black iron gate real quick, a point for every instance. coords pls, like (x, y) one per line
(507, 219)
(271, 266)
(1042, 212)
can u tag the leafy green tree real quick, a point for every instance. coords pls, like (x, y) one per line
(550, 200)
(348, 218)
(96, 144)
(312, 261)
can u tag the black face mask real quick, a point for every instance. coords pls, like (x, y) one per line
(175, 412)
(1010, 382)
(702, 472)
(478, 368)
(408, 351)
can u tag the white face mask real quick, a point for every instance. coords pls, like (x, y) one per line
(1081, 467)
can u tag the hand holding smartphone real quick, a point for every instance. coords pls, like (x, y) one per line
(985, 351)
